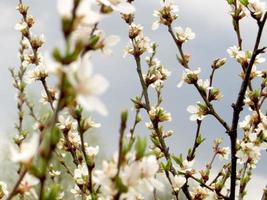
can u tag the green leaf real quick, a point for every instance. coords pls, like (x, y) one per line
(55, 136)
(93, 41)
(168, 165)
(57, 55)
(53, 192)
(140, 147)
(189, 152)
(124, 116)
(178, 159)
(244, 2)
(35, 171)
(200, 139)
(155, 141)
(120, 186)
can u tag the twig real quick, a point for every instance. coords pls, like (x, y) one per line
(14, 190)
(191, 156)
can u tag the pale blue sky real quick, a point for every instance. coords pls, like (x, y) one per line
(210, 21)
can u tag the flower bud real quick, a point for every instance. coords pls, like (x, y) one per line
(218, 63)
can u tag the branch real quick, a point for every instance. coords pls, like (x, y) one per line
(238, 106)
(185, 65)
(14, 190)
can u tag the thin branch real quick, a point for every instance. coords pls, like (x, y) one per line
(14, 190)
(191, 156)
(185, 65)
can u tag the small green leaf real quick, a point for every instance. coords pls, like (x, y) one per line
(120, 186)
(140, 147)
(93, 41)
(230, 2)
(244, 2)
(57, 55)
(53, 192)
(55, 136)
(168, 165)
(178, 159)
(124, 116)
(200, 139)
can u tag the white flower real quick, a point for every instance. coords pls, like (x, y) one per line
(54, 173)
(88, 86)
(203, 193)
(187, 166)
(74, 138)
(156, 73)
(166, 14)
(257, 8)
(177, 182)
(262, 127)
(66, 123)
(83, 34)
(27, 184)
(184, 35)
(22, 27)
(60, 196)
(37, 41)
(89, 123)
(38, 73)
(27, 150)
(198, 111)
(139, 176)
(86, 15)
(189, 76)
(64, 8)
(159, 114)
(149, 166)
(118, 5)
(204, 85)
(81, 174)
(76, 191)
(104, 177)
(224, 153)
(240, 56)
(92, 151)
(142, 45)
(135, 30)
(248, 153)
(84, 12)
(233, 51)
(53, 94)
(105, 42)
(3, 190)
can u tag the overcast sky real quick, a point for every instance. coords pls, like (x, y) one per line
(210, 21)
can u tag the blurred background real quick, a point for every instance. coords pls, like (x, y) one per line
(211, 22)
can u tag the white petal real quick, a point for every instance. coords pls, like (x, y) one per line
(192, 109)
(112, 40)
(155, 25)
(124, 7)
(99, 84)
(65, 7)
(193, 117)
(92, 104)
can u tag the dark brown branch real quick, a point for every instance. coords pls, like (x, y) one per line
(238, 106)
(191, 156)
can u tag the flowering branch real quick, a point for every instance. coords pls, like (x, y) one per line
(238, 106)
